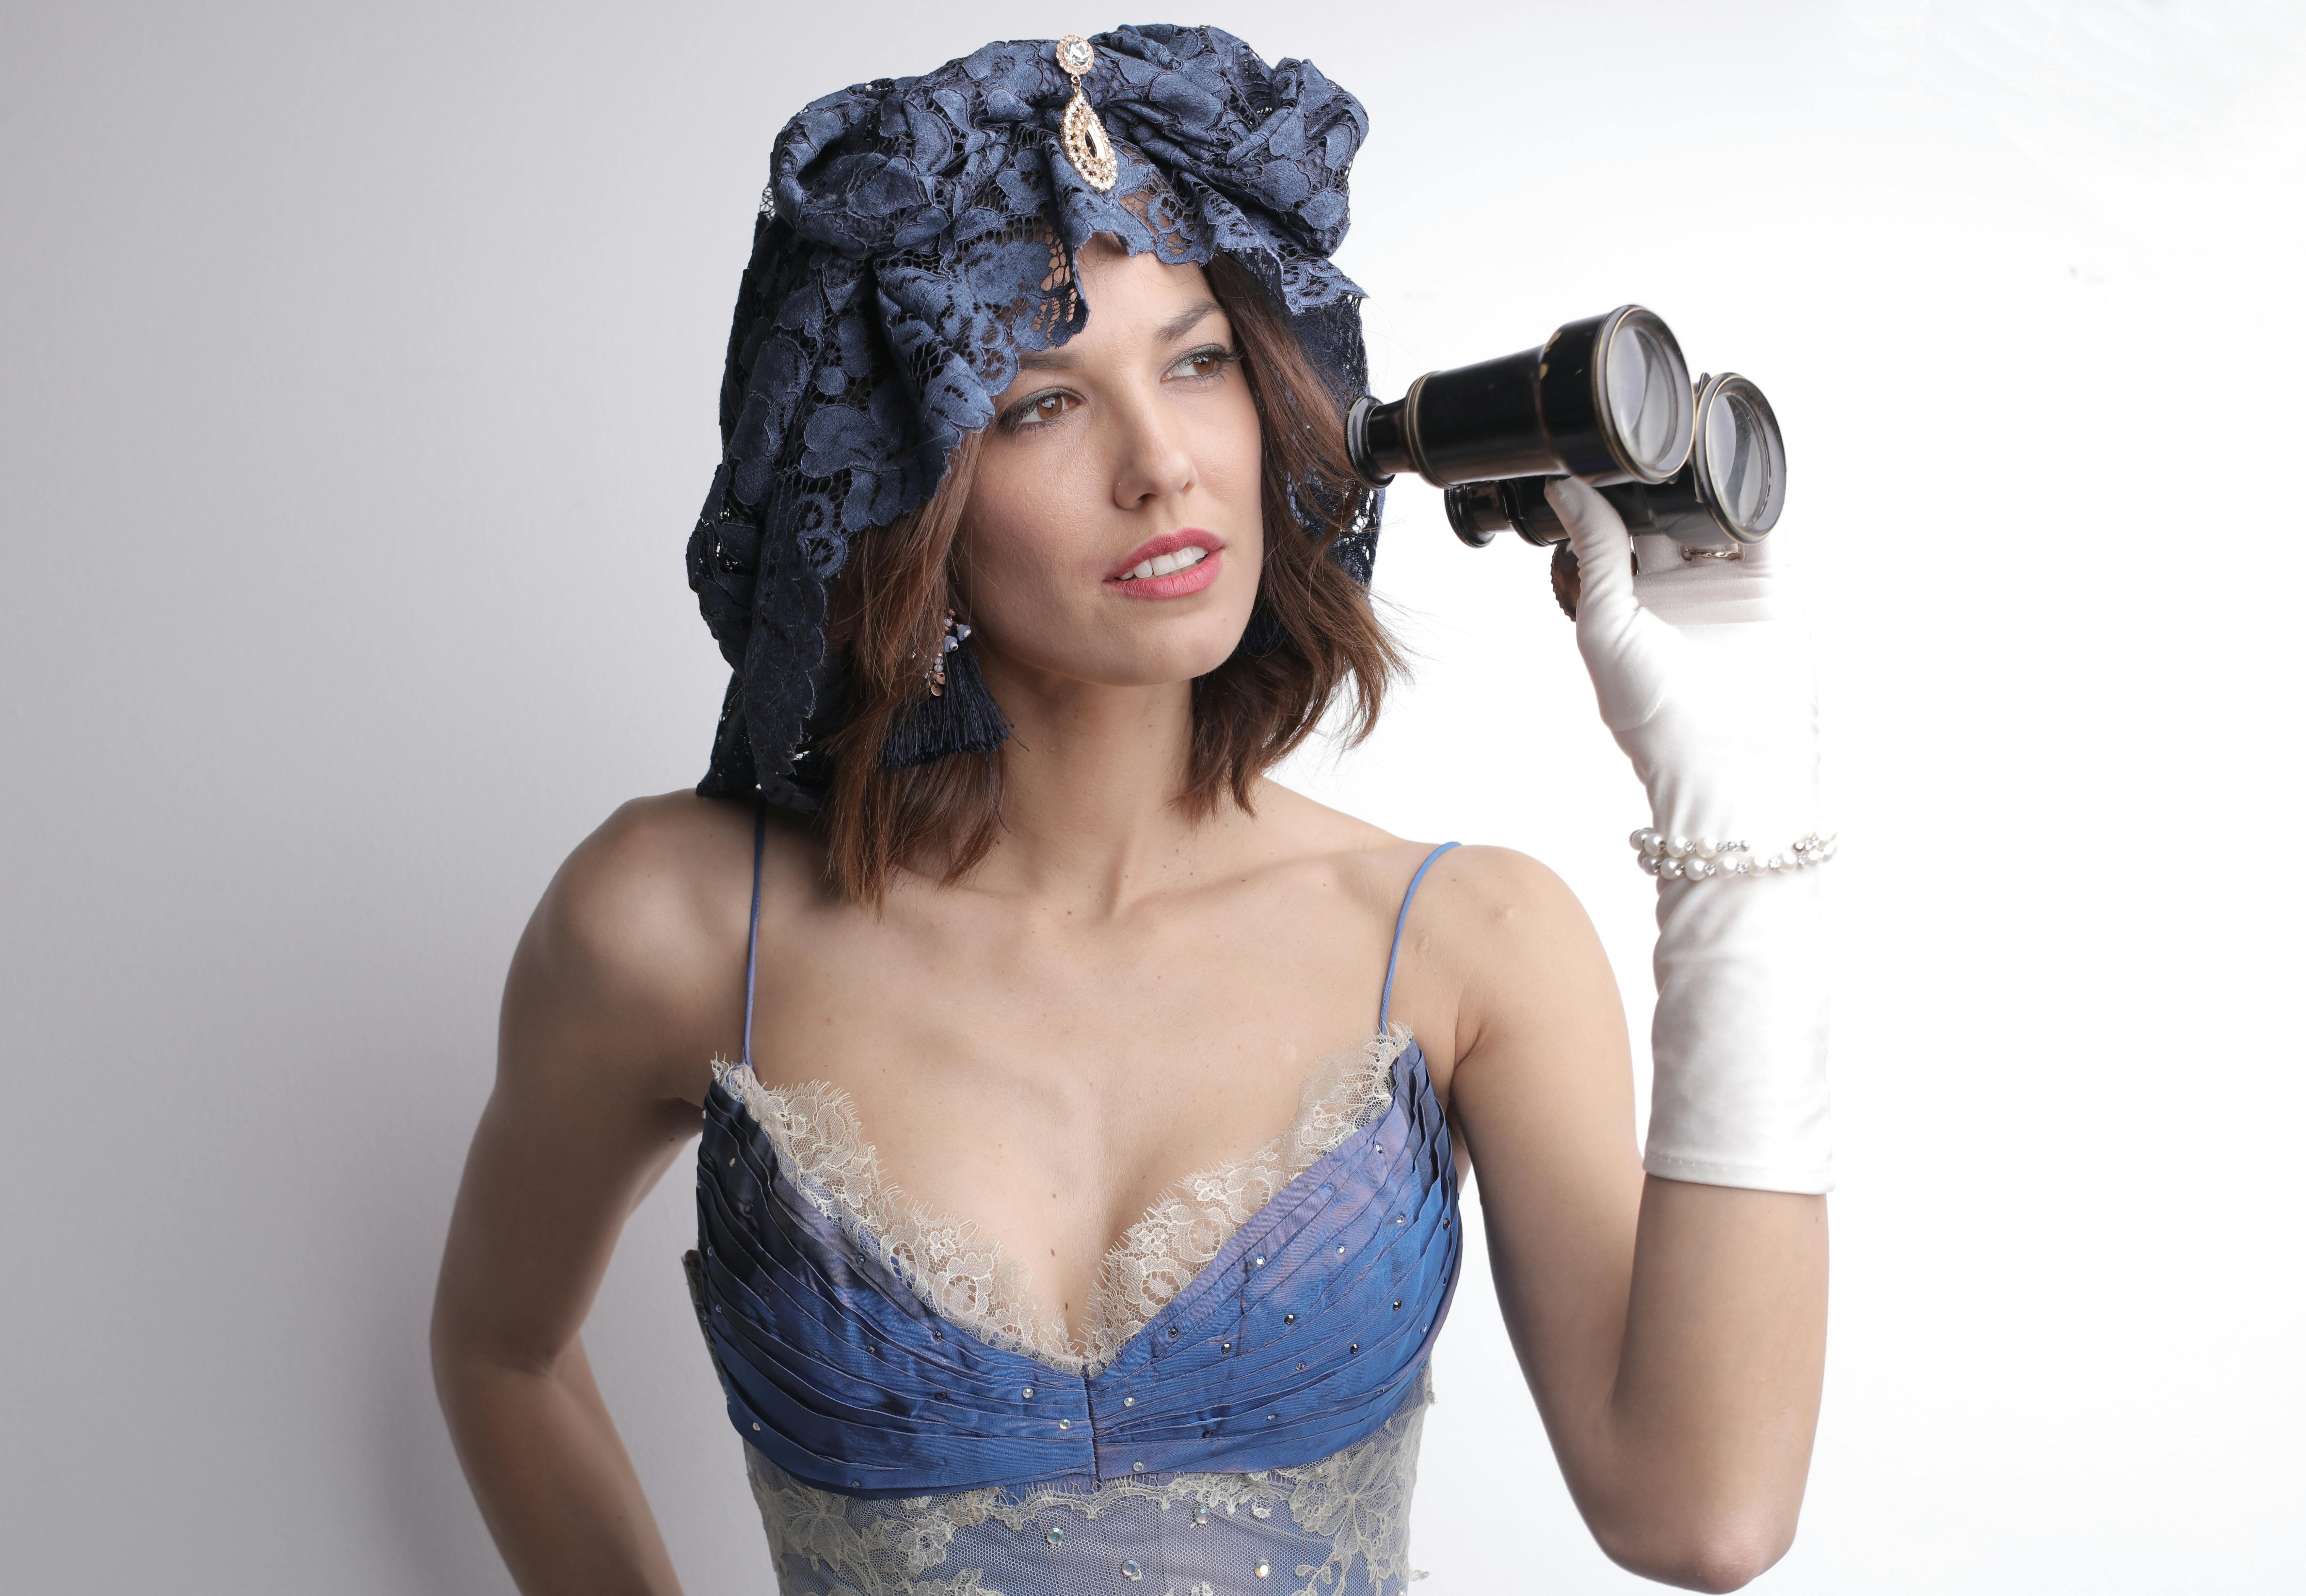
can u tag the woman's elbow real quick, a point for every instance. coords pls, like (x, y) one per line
(1727, 1554)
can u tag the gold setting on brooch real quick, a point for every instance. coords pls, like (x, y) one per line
(1083, 135)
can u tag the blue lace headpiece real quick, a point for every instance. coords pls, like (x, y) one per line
(919, 234)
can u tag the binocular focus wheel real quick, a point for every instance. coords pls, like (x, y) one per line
(1566, 586)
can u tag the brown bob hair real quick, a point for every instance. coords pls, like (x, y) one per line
(888, 609)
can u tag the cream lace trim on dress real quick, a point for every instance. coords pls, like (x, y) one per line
(961, 1273)
(1350, 1508)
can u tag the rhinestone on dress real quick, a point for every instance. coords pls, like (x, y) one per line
(1068, 1423)
(1136, 1468)
(1262, 1568)
(1200, 1515)
(1075, 54)
(1132, 1570)
(1026, 1394)
(1129, 1402)
(1056, 1536)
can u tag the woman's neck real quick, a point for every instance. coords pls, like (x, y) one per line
(1087, 777)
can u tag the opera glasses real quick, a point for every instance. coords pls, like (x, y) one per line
(1609, 399)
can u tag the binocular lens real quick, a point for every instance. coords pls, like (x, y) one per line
(1646, 381)
(1745, 458)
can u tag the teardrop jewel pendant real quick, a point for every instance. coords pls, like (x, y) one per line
(1086, 145)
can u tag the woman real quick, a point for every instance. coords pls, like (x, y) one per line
(1063, 1224)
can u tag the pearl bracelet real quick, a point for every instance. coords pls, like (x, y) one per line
(1694, 858)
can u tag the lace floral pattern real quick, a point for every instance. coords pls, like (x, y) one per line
(961, 1273)
(1338, 1527)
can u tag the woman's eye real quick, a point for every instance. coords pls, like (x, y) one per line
(1203, 363)
(1039, 411)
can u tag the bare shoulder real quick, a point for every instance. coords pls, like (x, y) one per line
(1498, 905)
(1470, 898)
(638, 944)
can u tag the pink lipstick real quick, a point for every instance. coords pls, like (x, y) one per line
(1170, 566)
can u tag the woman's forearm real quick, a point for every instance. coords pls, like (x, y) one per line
(552, 1476)
(1705, 1437)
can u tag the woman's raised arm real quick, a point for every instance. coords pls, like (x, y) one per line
(623, 986)
(1677, 1341)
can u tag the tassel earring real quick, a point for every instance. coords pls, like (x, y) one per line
(958, 716)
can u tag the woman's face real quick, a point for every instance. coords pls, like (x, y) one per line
(1114, 533)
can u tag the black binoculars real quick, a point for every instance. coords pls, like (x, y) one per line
(1608, 399)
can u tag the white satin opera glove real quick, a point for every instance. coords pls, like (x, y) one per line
(1710, 687)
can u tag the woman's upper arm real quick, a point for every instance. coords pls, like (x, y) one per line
(1542, 1093)
(612, 1009)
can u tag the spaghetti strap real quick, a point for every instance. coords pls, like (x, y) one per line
(1400, 922)
(753, 929)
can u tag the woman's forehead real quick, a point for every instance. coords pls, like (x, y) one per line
(1136, 296)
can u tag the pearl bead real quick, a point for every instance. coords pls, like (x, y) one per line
(1677, 848)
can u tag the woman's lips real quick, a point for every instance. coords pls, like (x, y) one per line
(1174, 584)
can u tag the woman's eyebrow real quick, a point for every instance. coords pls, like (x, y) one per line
(1185, 321)
(1168, 332)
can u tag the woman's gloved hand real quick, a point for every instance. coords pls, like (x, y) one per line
(1709, 689)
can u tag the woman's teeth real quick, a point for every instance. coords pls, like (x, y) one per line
(1162, 564)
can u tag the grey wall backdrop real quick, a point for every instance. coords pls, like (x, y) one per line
(358, 367)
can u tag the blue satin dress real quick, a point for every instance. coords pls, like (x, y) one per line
(1243, 1418)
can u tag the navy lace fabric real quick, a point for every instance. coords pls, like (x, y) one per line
(918, 237)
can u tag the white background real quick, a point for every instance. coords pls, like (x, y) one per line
(359, 378)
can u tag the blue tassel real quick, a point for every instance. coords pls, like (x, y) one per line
(961, 720)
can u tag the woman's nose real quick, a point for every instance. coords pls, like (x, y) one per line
(1154, 462)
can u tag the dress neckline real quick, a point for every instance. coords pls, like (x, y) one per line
(970, 1280)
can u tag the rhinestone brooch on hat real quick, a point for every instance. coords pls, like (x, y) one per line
(1083, 135)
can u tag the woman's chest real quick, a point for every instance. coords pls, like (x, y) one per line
(1049, 1086)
